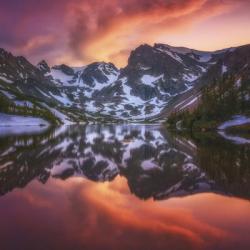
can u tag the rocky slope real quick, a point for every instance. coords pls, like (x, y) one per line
(156, 79)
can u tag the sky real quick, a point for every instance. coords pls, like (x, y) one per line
(78, 32)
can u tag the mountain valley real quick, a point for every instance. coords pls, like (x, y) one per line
(157, 81)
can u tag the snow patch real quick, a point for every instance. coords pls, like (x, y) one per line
(149, 79)
(149, 164)
(237, 120)
(16, 120)
(5, 79)
(190, 103)
(223, 68)
(63, 98)
(234, 139)
(58, 75)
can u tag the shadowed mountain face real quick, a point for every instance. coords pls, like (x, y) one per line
(154, 163)
(156, 78)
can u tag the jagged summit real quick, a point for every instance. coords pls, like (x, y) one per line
(155, 79)
(43, 66)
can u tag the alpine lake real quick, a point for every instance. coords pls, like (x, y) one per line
(122, 186)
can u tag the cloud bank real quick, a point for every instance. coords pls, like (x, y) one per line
(80, 31)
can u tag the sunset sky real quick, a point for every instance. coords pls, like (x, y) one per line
(77, 32)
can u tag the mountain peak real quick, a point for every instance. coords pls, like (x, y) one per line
(180, 50)
(155, 76)
(104, 67)
(65, 69)
(142, 48)
(43, 66)
(4, 53)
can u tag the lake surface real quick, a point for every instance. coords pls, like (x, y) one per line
(122, 187)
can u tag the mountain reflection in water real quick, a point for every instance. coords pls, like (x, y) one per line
(90, 172)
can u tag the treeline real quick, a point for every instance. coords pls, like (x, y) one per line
(9, 107)
(219, 101)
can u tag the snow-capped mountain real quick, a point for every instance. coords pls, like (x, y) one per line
(156, 79)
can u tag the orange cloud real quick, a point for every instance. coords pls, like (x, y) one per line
(81, 31)
(37, 42)
(107, 37)
(98, 215)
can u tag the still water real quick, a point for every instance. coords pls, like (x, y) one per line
(122, 187)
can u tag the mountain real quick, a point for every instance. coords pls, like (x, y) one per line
(221, 94)
(156, 80)
(232, 63)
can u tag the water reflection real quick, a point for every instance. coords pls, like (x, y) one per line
(89, 174)
(155, 163)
